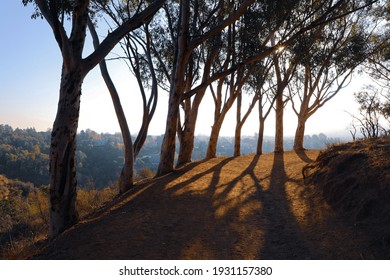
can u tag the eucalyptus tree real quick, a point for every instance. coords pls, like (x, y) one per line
(190, 106)
(138, 56)
(260, 84)
(137, 49)
(252, 40)
(184, 46)
(290, 18)
(306, 16)
(75, 67)
(227, 88)
(371, 114)
(163, 36)
(329, 62)
(125, 180)
(378, 64)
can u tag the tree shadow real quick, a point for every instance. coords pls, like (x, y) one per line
(284, 239)
(217, 209)
(303, 156)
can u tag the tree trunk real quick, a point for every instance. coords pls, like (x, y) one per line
(299, 134)
(279, 110)
(237, 132)
(237, 141)
(186, 146)
(213, 141)
(260, 139)
(125, 180)
(187, 136)
(63, 181)
(168, 147)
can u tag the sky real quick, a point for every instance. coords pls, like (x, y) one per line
(30, 70)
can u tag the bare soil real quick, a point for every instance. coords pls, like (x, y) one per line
(249, 207)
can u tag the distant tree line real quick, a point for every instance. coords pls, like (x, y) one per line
(24, 154)
(298, 53)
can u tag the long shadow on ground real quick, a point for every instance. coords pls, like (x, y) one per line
(225, 208)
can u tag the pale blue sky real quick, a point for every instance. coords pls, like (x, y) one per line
(30, 67)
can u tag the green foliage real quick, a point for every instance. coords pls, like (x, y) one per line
(24, 154)
(372, 112)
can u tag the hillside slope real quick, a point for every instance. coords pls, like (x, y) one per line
(354, 179)
(246, 207)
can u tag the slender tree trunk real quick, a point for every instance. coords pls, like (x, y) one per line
(237, 132)
(188, 134)
(300, 134)
(237, 141)
(219, 117)
(168, 147)
(63, 181)
(125, 180)
(260, 139)
(279, 110)
(213, 141)
(186, 145)
(216, 128)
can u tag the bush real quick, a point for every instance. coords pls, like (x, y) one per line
(24, 214)
(144, 173)
(90, 200)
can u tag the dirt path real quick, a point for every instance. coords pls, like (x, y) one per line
(227, 208)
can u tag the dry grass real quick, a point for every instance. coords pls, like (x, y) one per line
(247, 207)
(24, 217)
(354, 179)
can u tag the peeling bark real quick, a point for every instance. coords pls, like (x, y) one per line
(62, 154)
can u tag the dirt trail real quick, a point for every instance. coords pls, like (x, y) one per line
(247, 207)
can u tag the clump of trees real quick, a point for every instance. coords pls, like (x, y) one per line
(373, 119)
(282, 52)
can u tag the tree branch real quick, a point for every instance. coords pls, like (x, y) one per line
(114, 37)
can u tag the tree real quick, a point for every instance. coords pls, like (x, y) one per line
(138, 49)
(332, 55)
(125, 180)
(184, 46)
(370, 113)
(259, 83)
(63, 182)
(378, 64)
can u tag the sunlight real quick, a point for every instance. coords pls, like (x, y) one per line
(280, 49)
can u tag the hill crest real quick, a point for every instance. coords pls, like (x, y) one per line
(249, 207)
